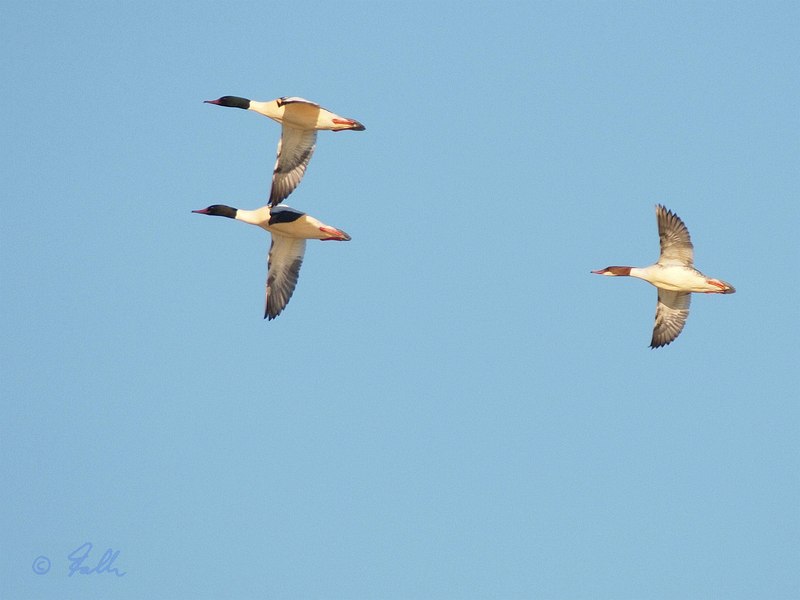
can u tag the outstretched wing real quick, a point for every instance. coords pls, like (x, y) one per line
(676, 245)
(671, 313)
(294, 151)
(285, 259)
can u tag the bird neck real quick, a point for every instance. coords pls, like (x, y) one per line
(259, 216)
(640, 273)
(649, 274)
(268, 109)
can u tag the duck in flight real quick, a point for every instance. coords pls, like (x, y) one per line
(290, 229)
(675, 277)
(300, 120)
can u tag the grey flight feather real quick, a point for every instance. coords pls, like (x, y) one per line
(285, 260)
(672, 311)
(676, 244)
(295, 149)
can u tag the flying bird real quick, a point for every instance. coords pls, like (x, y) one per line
(300, 121)
(675, 277)
(290, 229)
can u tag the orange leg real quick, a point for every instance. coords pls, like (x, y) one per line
(334, 234)
(717, 283)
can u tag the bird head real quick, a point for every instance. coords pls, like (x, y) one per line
(218, 210)
(614, 271)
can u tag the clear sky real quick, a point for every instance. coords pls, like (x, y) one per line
(451, 406)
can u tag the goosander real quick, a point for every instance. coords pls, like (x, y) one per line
(290, 229)
(675, 277)
(300, 120)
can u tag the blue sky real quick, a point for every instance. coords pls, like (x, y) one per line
(451, 406)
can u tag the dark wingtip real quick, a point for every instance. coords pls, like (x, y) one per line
(654, 344)
(358, 127)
